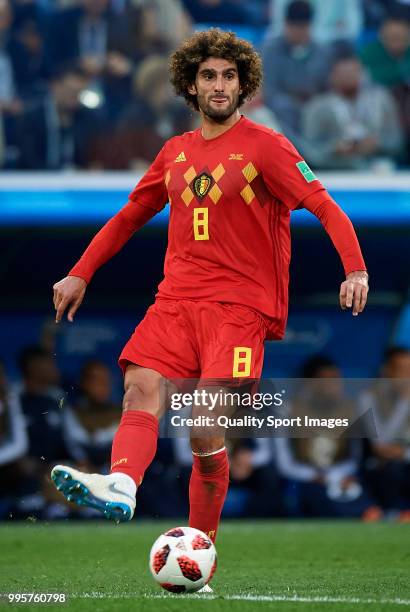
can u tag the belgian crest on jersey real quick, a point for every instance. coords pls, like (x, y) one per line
(202, 184)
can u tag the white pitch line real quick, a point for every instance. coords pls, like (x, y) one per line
(256, 598)
(319, 599)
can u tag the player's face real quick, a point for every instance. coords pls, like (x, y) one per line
(217, 88)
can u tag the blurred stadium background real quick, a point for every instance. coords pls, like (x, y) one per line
(84, 107)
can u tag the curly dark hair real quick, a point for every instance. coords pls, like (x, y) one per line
(215, 43)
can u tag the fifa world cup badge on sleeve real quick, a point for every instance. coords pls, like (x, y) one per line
(306, 172)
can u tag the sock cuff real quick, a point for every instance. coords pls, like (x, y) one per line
(140, 418)
(212, 465)
(211, 454)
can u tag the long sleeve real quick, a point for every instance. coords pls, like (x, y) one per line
(339, 227)
(149, 197)
(111, 238)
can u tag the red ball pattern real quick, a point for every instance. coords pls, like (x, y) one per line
(175, 533)
(200, 543)
(189, 568)
(160, 558)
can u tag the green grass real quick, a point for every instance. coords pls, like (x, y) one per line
(307, 559)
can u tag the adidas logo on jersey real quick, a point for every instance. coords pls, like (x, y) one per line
(180, 158)
(236, 156)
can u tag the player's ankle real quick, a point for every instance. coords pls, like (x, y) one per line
(126, 480)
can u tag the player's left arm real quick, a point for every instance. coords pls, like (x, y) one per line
(354, 290)
(291, 181)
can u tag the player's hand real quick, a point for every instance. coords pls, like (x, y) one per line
(353, 292)
(68, 293)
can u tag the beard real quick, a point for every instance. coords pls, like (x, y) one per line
(219, 115)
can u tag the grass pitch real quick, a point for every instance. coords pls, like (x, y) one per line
(281, 566)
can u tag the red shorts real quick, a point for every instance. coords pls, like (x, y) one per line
(207, 340)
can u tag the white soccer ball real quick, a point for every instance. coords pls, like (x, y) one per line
(182, 560)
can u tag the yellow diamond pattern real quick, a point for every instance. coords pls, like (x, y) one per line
(218, 173)
(190, 174)
(187, 196)
(247, 194)
(215, 193)
(250, 172)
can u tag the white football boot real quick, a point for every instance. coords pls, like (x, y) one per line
(113, 495)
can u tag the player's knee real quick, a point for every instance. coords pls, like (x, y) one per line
(142, 390)
(133, 397)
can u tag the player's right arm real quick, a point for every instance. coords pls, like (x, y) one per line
(148, 198)
(69, 292)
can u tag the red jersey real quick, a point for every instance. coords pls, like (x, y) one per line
(230, 200)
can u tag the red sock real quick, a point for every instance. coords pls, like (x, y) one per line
(207, 492)
(135, 444)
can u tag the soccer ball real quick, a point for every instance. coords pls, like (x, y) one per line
(182, 560)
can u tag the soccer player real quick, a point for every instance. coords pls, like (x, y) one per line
(231, 185)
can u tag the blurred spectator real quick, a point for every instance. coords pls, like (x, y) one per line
(295, 69)
(257, 111)
(80, 34)
(41, 400)
(353, 124)
(7, 81)
(323, 470)
(2, 142)
(227, 11)
(29, 58)
(160, 108)
(99, 41)
(153, 116)
(108, 45)
(388, 61)
(388, 467)
(55, 132)
(164, 19)
(388, 57)
(402, 96)
(37, 10)
(333, 20)
(13, 447)
(10, 103)
(254, 482)
(90, 424)
(376, 11)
